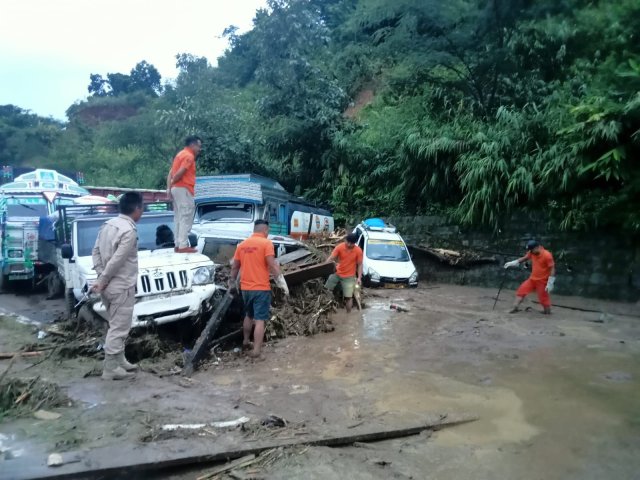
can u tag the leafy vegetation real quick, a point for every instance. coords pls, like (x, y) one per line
(477, 108)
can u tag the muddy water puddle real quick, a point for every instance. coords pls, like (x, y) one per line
(560, 397)
(548, 405)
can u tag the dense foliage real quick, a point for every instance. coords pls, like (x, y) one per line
(479, 108)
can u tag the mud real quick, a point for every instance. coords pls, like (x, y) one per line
(556, 396)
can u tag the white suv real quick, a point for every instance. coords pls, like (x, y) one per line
(386, 260)
(170, 285)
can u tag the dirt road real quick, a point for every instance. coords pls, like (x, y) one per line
(556, 396)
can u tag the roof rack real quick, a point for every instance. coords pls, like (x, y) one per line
(378, 225)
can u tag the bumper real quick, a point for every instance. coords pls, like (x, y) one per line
(18, 271)
(166, 307)
(386, 282)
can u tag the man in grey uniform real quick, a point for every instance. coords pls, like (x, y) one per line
(115, 259)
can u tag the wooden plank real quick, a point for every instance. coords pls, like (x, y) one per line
(127, 460)
(315, 271)
(293, 256)
(200, 348)
(5, 356)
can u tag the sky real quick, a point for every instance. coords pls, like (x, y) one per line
(48, 48)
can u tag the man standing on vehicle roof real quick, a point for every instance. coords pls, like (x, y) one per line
(348, 256)
(181, 183)
(254, 258)
(115, 260)
(542, 278)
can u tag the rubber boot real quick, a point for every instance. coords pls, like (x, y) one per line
(122, 361)
(113, 371)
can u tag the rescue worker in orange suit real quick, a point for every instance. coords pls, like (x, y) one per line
(181, 183)
(253, 260)
(542, 279)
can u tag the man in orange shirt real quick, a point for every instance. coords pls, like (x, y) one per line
(181, 183)
(254, 258)
(348, 256)
(542, 278)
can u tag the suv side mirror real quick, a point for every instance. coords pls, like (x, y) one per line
(193, 240)
(67, 251)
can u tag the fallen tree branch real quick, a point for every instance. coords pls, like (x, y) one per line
(589, 310)
(8, 355)
(125, 461)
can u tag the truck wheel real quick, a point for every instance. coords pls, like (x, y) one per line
(70, 304)
(3, 282)
(55, 287)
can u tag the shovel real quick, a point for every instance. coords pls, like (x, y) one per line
(356, 296)
(504, 277)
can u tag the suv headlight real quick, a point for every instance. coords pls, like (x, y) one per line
(414, 277)
(202, 275)
(373, 275)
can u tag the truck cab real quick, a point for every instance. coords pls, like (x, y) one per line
(227, 206)
(24, 204)
(170, 286)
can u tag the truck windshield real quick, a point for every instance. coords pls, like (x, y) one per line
(30, 210)
(153, 232)
(222, 212)
(390, 250)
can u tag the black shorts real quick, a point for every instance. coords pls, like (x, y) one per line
(257, 304)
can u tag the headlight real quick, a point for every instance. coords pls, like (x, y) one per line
(414, 277)
(202, 275)
(375, 276)
(15, 253)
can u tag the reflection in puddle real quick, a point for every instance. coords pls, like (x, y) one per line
(376, 320)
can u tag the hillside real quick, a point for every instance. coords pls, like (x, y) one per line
(474, 108)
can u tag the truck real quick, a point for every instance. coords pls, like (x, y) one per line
(227, 206)
(24, 203)
(170, 286)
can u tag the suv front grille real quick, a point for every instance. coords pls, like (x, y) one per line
(393, 280)
(164, 283)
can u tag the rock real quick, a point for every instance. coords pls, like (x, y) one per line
(46, 415)
(55, 460)
(618, 377)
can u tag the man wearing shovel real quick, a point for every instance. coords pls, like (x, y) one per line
(541, 280)
(115, 260)
(348, 257)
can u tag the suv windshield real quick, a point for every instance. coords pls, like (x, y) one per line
(153, 232)
(390, 250)
(220, 212)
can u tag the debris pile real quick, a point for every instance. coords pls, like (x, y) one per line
(305, 312)
(454, 258)
(19, 397)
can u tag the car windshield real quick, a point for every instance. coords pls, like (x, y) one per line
(27, 210)
(153, 232)
(221, 212)
(390, 250)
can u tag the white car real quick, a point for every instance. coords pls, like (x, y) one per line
(171, 286)
(386, 260)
